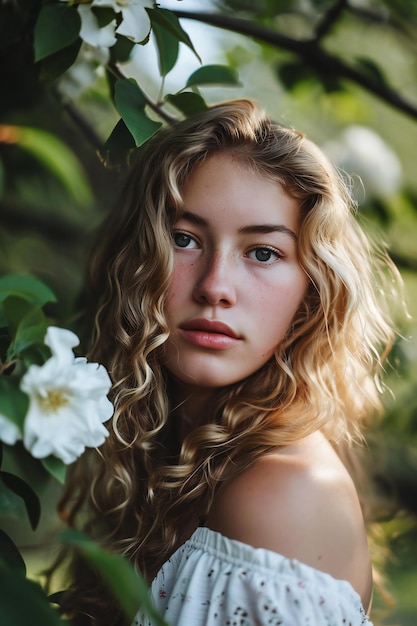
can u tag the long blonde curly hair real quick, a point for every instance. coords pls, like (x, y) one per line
(143, 483)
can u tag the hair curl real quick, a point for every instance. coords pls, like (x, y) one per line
(144, 482)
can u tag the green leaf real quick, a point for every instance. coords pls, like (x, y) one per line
(56, 64)
(214, 75)
(57, 27)
(27, 323)
(55, 467)
(24, 491)
(292, 74)
(130, 590)
(372, 69)
(168, 20)
(122, 49)
(22, 601)
(19, 461)
(14, 309)
(27, 287)
(187, 102)
(13, 402)
(118, 145)
(10, 555)
(131, 103)
(35, 354)
(58, 159)
(168, 47)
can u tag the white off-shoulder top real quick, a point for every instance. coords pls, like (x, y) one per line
(215, 581)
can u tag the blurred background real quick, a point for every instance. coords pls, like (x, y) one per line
(342, 71)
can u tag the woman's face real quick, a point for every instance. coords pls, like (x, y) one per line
(237, 282)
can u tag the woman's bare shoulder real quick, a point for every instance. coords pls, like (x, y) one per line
(300, 502)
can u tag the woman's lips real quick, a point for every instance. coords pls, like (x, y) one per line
(211, 334)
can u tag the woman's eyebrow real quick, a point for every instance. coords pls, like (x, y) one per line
(268, 228)
(259, 229)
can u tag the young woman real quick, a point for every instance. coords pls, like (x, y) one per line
(240, 311)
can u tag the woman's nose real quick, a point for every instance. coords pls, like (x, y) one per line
(216, 283)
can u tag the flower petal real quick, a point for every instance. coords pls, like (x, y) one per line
(61, 341)
(92, 33)
(136, 23)
(9, 431)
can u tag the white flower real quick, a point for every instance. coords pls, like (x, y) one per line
(135, 22)
(9, 431)
(67, 401)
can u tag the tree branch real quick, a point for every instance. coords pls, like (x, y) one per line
(329, 19)
(309, 52)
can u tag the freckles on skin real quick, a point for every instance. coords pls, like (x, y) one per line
(231, 214)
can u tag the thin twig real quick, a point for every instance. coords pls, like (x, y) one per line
(309, 52)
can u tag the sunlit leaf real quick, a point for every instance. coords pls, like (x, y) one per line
(168, 20)
(22, 601)
(22, 489)
(27, 287)
(168, 47)
(128, 587)
(13, 402)
(131, 103)
(10, 556)
(57, 27)
(58, 159)
(55, 467)
(214, 75)
(187, 102)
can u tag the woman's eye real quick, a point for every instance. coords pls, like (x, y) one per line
(182, 240)
(264, 255)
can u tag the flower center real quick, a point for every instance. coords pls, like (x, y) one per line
(53, 401)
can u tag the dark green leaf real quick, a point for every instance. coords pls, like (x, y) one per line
(168, 47)
(187, 102)
(27, 287)
(128, 587)
(10, 555)
(35, 354)
(23, 603)
(19, 461)
(14, 309)
(56, 64)
(214, 75)
(131, 103)
(122, 49)
(104, 15)
(13, 402)
(24, 491)
(55, 467)
(372, 69)
(168, 20)
(292, 74)
(31, 326)
(57, 27)
(118, 145)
